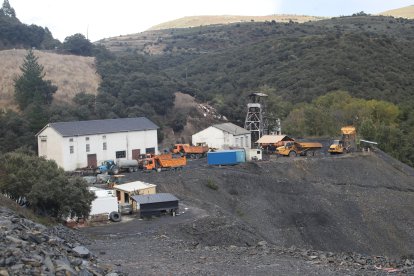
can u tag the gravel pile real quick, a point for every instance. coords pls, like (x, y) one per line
(28, 248)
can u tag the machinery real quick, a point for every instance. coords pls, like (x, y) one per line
(191, 151)
(347, 142)
(164, 162)
(112, 167)
(293, 148)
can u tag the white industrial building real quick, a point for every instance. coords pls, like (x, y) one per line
(223, 136)
(83, 144)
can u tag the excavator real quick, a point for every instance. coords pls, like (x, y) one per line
(347, 142)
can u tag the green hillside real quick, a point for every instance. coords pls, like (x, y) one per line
(368, 57)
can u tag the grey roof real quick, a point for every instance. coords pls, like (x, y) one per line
(80, 128)
(232, 128)
(152, 198)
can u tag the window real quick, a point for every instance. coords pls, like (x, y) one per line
(87, 138)
(120, 154)
(241, 141)
(247, 141)
(103, 137)
(88, 147)
(104, 146)
(70, 139)
(71, 149)
(150, 150)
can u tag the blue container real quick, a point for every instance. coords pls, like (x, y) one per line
(226, 157)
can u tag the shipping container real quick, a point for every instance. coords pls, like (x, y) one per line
(226, 157)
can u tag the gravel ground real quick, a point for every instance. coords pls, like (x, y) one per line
(289, 216)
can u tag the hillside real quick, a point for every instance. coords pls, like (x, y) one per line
(72, 74)
(196, 21)
(406, 12)
(340, 214)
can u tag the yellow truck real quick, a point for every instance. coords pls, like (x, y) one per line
(293, 148)
(346, 143)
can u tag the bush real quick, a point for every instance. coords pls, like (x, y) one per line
(45, 186)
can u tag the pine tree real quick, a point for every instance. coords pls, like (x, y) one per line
(30, 86)
(7, 10)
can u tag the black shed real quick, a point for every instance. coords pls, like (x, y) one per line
(156, 204)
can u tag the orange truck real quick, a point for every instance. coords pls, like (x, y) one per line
(164, 162)
(193, 152)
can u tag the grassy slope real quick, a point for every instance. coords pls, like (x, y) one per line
(193, 21)
(406, 12)
(72, 74)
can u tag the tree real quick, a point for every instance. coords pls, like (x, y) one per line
(7, 10)
(45, 186)
(78, 44)
(30, 87)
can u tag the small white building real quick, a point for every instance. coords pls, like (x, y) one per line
(223, 136)
(80, 144)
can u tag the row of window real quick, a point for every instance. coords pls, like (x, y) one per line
(87, 138)
(88, 148)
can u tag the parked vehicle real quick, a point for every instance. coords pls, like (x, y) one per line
(347, 142)
(226, 157)
(164, 162)
(298, 148)
(112, 167)
(189, 151)
(105, 204)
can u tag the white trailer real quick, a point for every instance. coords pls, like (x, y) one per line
(253, 154)
(105, 203)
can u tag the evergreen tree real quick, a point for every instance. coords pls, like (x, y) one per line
(30, 87)
(7, 10)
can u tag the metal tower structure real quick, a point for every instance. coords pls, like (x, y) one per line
(256, 120)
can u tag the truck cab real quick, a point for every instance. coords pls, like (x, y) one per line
(108, 166)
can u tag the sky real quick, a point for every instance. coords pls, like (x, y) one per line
(98, 19)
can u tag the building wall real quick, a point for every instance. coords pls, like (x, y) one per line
(59, 148)
(145, 191)
(216, 138)
(212, 136)
(49, 144)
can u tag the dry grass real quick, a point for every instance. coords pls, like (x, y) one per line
(194, 21)
(406, 12)
(71, 74)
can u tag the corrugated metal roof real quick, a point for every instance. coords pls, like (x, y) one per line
(81, 128)
(272, 139)
(153, 198)
(232, 128)
(133, 186)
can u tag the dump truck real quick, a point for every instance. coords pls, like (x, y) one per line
(200, 150)
(164, 162)
(347, 142)
(294, 148)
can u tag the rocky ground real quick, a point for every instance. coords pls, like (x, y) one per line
(290, 216)
(29, 248)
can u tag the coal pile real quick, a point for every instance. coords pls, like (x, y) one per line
(29, 248)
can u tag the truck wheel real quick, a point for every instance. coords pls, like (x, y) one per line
(115, 170)
(292, 154)
(192, 156)
(115, 216)
(130, 170)
(158, 169)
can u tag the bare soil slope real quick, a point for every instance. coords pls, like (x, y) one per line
(72, 74)
(360, 202)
